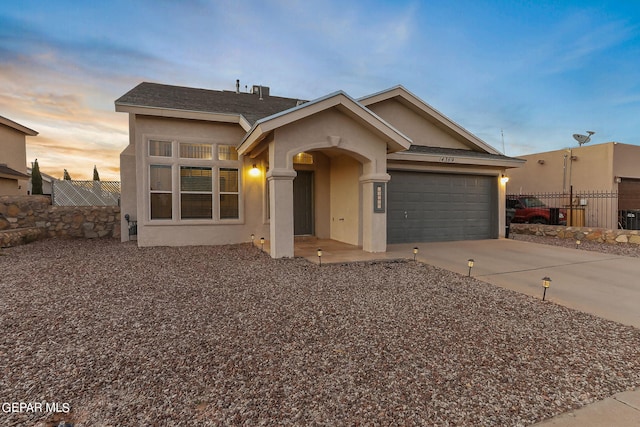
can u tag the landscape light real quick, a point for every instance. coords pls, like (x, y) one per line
(470, 264)
(415, 252)
(578, 243)
(546, 282)
(262, 243)
(253, 237)
(320, 256)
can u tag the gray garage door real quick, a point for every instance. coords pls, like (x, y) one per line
(435, 207)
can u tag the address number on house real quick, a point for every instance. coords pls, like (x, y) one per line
(446, 159)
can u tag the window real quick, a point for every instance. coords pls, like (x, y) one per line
(227, 152)
(196, 151)
(229, 193)
(160, 148)
(196, 192)
(160, 187)
(181, 180)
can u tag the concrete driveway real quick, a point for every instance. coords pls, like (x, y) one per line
(605, 285)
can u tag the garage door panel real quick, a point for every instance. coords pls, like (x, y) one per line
(440, 207)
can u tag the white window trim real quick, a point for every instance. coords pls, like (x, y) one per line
(175, 161)
(150, 191)
(220, 192)
(212, 193)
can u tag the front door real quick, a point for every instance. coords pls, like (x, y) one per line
(303, 203)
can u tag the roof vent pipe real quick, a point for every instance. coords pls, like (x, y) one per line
(237, 85)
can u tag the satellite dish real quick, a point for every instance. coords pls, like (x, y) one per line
(580, 138)
(583, 139)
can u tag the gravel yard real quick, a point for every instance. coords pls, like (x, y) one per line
(228, 336)
(627, 249)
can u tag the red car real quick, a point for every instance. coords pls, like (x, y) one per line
(530, 209)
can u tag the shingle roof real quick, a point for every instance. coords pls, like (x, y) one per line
(204, 100)
(6, 171)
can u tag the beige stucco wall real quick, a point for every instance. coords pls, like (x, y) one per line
(13, 152)
(345, 200)
(329, 129)
(592, 170)
(10, 187)
(177, 232)
(626, 160)
(322, 194)
(418, 128)
(128, 190)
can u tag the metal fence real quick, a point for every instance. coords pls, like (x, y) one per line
(85, 193)
(579, 209)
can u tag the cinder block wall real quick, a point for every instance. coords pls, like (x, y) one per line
(27, 218)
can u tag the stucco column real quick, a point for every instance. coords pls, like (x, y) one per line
(502, 207)
(128, 205)
(374, 219)
(281, 212)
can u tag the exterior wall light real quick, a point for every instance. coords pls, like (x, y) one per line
(254, 171)
(262, 243)
(504, 179)
(546, 282)
(320, 256)
(415, 252)
(470, 264)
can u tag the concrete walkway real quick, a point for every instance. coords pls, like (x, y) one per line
(605, 285)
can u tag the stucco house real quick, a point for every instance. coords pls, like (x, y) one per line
(13, 157)
(609, 167)
(207, 167)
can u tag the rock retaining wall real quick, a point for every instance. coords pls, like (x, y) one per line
(602, 235)
(28, 218)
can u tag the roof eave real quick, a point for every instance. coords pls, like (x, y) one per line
(251, 139)
(506, 162)
(184, 114)
(17, 126)
(16, 175)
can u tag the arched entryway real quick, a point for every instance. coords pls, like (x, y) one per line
(351, 145)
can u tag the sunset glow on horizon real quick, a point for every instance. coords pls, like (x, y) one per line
(520, 76)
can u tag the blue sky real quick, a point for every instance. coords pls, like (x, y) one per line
(537, 71)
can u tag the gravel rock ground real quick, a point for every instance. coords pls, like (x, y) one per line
(228, 336)
(628, 249)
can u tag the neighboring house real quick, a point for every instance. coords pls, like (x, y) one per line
(47, 183)
(207, 167)
(608, 167)
(13, 157)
